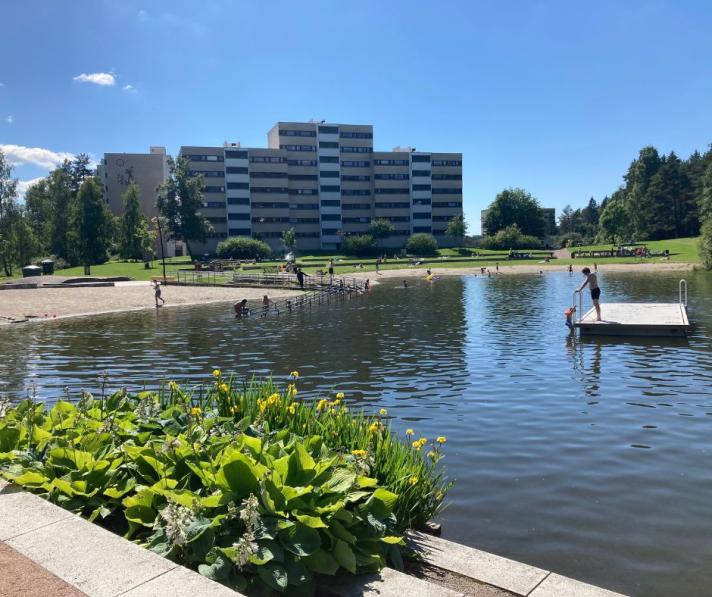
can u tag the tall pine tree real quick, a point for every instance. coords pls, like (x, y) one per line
(134, 226)
(89, 231)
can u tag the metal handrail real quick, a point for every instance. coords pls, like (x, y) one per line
(682, 290)
(579, 309)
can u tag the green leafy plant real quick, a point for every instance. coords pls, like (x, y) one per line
(249, 485)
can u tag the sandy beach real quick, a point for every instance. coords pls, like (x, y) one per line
(530, 268)
(43, 304)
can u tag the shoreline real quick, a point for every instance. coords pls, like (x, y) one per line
(51, 304)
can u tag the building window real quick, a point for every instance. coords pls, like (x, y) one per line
(421, 201)
(330, 188)
(329, 159)
(268, 175)
(329, 174)
(454, 191)
(447, 176)
(421, 229)
(421, 216)
(238, 201)
(293, 133)
(269, 189)
(399, 191)
(447, 204)
(425, 173)
(269, 220)
(303, 192)
(330, 231)
(421, 187)
(214, 204)
(420, 158)
(236, 169)
(267, 159)
(301, 162)
(232, 216)
(355, 192)
(235, 155)
(356, 164)
(274, 205)
(207, 173)
(204, 158)
(360, 177)
(303, 206)
(307, 235)
(303, 220)
(328, 144)
(240, 232)
(358, 206)
(355, 135)
(392, 205)
(395, 219)
(238, 185)
(211, 189)
(331, 217)
(356, 149)
(214, 220)
(447, 163)
(390, 176)
(313, 177)
(390, 162)
(363, 220)
(330, 203)
(328, 130)
(298, 147)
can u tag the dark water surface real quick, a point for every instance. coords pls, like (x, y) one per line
(589, 457)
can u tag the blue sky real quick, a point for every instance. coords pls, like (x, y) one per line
(553, 96)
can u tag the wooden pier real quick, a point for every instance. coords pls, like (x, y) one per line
(637, 319)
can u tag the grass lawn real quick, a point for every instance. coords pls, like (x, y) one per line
(682, 250)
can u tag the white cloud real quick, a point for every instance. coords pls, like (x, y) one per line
(10, 119)
(142, 15)
(23, 185)
(18, 155)
(2, 84)
(130, 88)
(104, 79)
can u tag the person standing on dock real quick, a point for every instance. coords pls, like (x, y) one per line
(592, 281)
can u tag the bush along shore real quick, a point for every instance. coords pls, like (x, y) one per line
(248, 484)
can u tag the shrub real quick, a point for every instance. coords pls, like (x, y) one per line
(250, 486)
(243, 247)
(421, 243)
(510, 237)
(361, 245)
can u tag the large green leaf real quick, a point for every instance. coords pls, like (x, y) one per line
(340, 482)
(239, 475)
(321, 562)
(300, 539)
(138, 508)
(9, 438)
(345, 556)
(267, 551)
(381, 503)
(274, 575)
(300, 467)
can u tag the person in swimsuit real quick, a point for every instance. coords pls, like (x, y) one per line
(157, 293)
(592, 282)
(265, 305)
(331, 271)
(241, 309)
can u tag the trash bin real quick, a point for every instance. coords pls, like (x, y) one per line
(47, 267)
(31, 270)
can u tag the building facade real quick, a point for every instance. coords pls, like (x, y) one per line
(327, 182)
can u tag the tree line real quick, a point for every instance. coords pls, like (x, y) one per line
(662, 196)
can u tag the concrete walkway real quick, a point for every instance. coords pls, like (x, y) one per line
(45, 550)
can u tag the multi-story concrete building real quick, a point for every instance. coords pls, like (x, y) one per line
(326, 182)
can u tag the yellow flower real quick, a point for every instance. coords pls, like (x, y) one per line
(173, 386)
(234, 409)
(413, 480)
(432, 455)
(216, 372)
(291, 390)
(374, 428)
(295, 374)
(261, 404)
(383, 412)
(292, 408)
(359, 453)
(223, 388)
(423, 441)
(340, 396)
(322, 404)
(441, 440)
(195, 411)
(409, 432)
(416, 445)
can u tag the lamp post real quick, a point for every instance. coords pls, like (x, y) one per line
(157, 221)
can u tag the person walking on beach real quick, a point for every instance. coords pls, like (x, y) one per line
(157, 293)
(241, 309)
(592, 281)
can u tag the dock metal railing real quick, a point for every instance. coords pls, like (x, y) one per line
(682, 290)
(579, 308)
(307, 299)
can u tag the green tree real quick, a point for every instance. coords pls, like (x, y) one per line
(39, 211)
(9, 216)
(134, 227)
(421, 243)
(179, 199)
(361, 245)
(289, 238)
(515, 206)
(705, 243)
(614, 224)
(670, 204)
(60, 196)
(637, 197)
(380, 229)
(457, 228)
(77, 170)
(89, 225)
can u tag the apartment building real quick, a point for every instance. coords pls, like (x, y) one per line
(325, 181)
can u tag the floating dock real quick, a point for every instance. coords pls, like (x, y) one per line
(637, 319)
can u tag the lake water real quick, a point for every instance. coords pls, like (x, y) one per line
(587, 457)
